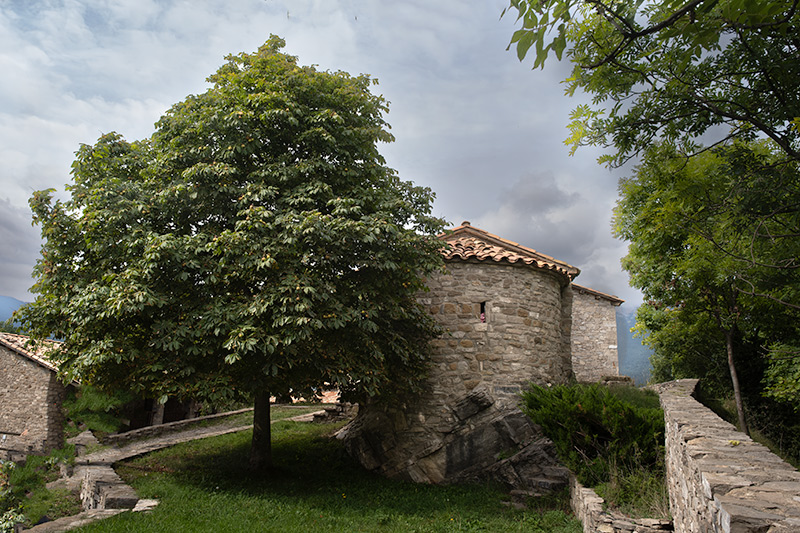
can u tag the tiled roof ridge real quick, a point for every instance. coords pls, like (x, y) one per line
(616, 300)
(19, 343)
(510, 251)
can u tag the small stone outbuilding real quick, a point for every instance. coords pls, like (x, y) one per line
(31, 397)
(509, 313)
(594, 334)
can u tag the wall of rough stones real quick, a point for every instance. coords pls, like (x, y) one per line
(588, 508)
(467, 417)
(30, 403)
(719, 479)
(521, 339)
(594, 336)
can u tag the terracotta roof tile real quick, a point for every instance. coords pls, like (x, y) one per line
(597, 294)
(19, 343)
(473, 244)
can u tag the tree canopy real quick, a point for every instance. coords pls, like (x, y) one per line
(691, 226)
(255, 244)
(692, 74)
(681, 71)
(703, 95)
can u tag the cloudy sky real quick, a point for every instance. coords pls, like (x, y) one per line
(481, 129)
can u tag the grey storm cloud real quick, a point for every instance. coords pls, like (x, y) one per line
(540, 214)
(19, 249)
(471, 122)
(539, 194)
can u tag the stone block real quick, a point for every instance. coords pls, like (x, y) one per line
(470, 384)
(474, 402)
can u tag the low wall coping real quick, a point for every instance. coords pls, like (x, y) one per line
(160, 429)
(745, 486)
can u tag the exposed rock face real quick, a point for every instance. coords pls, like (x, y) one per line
(480, 439)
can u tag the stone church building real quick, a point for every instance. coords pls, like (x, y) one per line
(513, 316)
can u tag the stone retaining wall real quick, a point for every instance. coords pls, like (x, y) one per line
(588, 508)
(102, 488)
(160, 429)
(719, 479)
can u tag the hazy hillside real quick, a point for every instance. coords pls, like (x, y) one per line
(634, 358)
(7, 306)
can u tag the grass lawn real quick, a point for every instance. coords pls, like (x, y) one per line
(205, 486)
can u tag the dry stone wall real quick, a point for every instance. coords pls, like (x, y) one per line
(589, 509)
(30, 404)
(719, 479)
(505, 328)
(594, 336)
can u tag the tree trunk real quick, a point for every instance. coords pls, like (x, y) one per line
(157, 413)
(261, 445)
(737, 393)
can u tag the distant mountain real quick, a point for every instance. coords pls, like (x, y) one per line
(7, 306)
(634, 357)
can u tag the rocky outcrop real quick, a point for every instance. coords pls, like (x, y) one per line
(478, 438)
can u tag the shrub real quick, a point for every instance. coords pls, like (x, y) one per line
(9, 513)
(24, 497)
(90, 408)
(10, 518)
(593, 428)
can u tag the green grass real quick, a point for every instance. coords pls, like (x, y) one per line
(28, 481)
(638, 493)
(28, 487)
(206, 486)
(641, 398)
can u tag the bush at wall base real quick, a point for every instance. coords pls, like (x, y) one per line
(605, 435)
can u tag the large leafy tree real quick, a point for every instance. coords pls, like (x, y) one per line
(691, 226)
(690, 75)
(256, 244)
(673, 70)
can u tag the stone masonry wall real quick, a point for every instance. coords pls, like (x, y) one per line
(719, 479)
(594, 337)
(588, 508)
(467, 418)
(30, 403)
(521, 339)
